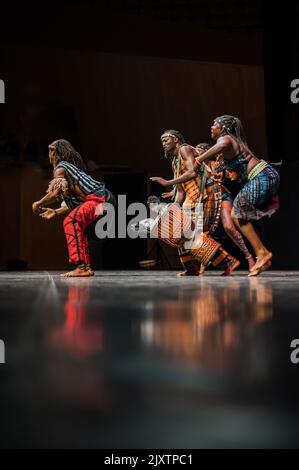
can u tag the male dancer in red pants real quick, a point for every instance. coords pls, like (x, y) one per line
(83, 200)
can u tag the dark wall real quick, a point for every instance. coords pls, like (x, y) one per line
(281, 52)
(114, 107)
(214, 31)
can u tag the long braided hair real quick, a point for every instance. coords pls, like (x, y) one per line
(232, 126)
(66, 153)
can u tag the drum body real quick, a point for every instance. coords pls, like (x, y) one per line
(173, 226)
(176, 227)
(204, 249)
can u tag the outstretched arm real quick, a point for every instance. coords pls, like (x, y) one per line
(222, 143)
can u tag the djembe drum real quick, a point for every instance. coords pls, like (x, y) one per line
(176, 228)
(173, 226)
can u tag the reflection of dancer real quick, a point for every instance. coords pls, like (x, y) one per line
(217, 177)
(189, 195)
(211, 329)
(258, 197)
(83, 201)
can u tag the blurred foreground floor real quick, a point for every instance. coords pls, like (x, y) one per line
(149, 360)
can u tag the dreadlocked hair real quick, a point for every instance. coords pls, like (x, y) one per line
(176, 134)
(232, 126)
(204, 146)
(66, 153)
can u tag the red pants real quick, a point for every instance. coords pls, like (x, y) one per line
(76, 223)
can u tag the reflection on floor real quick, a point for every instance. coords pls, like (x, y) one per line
(149, 360)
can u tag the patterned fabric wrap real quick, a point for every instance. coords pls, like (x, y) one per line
(211, 197)
(212, 206)
(207, 251)
(258, 198)
(238, 165)
(191, 188)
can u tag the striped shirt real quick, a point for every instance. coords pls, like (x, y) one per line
(86, 183)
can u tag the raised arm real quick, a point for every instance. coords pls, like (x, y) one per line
(221, 145)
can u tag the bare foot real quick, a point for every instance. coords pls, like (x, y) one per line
(188, 273)
(251, 263)
(78, 272)
(262, 260)
(202, 269)
(259, 271)
(234, 265)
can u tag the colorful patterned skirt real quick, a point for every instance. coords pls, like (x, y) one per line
(226, 195)
(258, 198)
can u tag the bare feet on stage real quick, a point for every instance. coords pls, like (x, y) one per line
(188, 273)
(262, 261)
(232, 266)
(251, 263)
(195, 272)
(79, 272)
(202, 269)
(257, 272)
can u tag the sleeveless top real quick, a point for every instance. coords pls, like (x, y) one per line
(238, 164)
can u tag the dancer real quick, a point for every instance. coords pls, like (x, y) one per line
(83, 203)
(260, 182)
(190, 194)
(217, 176)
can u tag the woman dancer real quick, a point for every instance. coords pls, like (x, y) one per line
(217, 176)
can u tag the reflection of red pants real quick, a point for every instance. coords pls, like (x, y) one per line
(75, 224)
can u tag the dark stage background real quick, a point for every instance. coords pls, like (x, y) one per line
(111, 76)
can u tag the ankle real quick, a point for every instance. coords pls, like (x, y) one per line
(82, 267)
